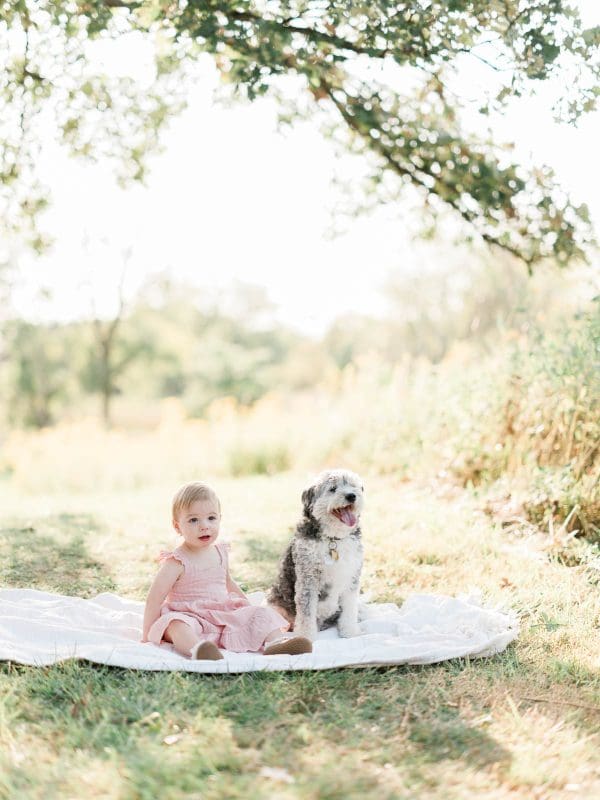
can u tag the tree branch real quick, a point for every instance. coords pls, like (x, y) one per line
(120, 4)
(312, 33)
(378, 147)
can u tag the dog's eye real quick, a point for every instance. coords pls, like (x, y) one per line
(333, 488)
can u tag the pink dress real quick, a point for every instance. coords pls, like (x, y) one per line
(199, 597)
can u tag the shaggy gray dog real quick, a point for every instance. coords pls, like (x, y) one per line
(319, 575)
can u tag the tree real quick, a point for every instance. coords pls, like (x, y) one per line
(111, 354)
(350, 57)
(39, 371)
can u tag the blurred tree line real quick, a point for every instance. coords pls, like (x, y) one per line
(173, 342)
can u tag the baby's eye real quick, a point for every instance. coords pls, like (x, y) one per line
(212, 518)
(194, 519)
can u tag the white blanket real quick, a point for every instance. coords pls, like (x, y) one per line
(39, 628)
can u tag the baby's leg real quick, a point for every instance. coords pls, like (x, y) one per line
(283, 611)
(187, 642)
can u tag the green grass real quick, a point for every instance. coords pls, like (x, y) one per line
(52, 555)
(523, 724)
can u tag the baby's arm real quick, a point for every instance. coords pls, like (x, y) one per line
(164, 580)
(233, 588)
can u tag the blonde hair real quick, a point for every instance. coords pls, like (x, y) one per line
(189, 493)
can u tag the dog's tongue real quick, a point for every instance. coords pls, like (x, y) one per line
(347, 517)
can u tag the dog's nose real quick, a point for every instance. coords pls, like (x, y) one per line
(350, 497)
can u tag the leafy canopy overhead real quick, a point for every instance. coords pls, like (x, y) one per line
(382, 74)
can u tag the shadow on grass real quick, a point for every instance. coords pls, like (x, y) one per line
(454, 739)
(362, 721)
(51, 554)
(341, 714)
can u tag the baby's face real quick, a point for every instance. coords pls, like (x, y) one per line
(198, 524)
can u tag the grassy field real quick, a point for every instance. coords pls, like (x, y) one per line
(523, 724)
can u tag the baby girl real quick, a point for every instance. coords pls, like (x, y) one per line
(195, 605)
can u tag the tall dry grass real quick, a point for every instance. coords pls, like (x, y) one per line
(373, 416)
(543, 430)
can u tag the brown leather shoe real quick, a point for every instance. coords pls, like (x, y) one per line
(206, 651)
(294, 646)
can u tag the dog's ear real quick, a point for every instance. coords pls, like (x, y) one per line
(308, 498)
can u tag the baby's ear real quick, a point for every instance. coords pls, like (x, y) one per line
(176, 525)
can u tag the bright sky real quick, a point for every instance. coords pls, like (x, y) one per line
(231, 199)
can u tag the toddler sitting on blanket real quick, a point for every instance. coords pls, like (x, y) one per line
(193, 602)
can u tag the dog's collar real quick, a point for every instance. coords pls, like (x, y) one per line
(333, 548)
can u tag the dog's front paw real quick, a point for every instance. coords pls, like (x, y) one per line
(309, 631)
(348, 631)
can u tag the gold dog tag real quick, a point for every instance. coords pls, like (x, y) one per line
(334, 554)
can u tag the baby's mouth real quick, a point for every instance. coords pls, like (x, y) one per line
(345, 515)
(205, 537)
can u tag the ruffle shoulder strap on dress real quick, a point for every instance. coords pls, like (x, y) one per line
(165, 555)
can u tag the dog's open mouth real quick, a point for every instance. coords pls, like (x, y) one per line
(346, 515)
